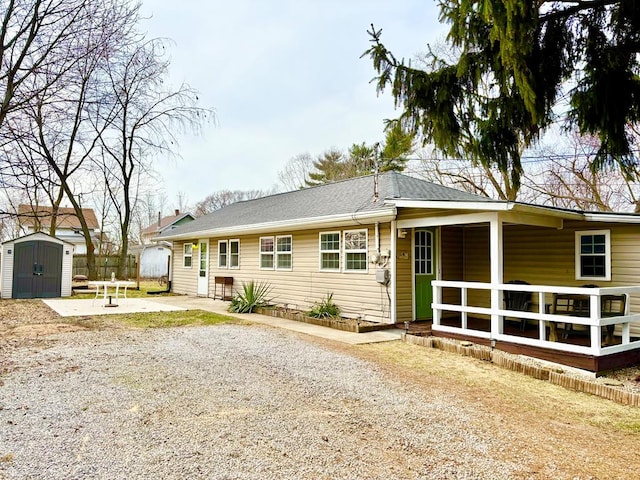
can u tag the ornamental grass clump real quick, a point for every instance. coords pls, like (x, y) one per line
(254, 294)
(325, 308)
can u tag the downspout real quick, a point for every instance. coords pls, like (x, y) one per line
(377, 239)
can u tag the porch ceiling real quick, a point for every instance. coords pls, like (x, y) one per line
(461, 213)
(509, 217)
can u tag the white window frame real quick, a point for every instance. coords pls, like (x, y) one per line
(284, 253)
(606, 254)
(225, 255)
(330, 251)
(263, 253)
(231, 254)
(364, 250)
(186, 255)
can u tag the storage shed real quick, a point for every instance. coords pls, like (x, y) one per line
(36, 266)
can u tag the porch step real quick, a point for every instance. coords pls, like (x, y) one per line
(419, 329)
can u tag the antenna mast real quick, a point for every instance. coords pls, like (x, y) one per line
(375, 171)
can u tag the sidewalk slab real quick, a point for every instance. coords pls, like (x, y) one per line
(90, 307)
(219, 306)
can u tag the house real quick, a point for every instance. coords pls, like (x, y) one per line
(393, 248)
(153, 255)
(68, 228)
(148, 234)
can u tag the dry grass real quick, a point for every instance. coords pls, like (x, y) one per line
(172, 319)
(527, 395)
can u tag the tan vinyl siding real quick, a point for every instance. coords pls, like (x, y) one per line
(547, 257)
(357, 294)
(477, 266)
(184, 280)
(451, 259)
(404, 278)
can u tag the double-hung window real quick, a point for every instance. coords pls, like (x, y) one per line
(266, 253)
(276, 252)
(229, 254)
(234, 253)
(330, 251)
(593, 255)
(284, 246)
(223, 254)
(355, 251)
(187, 255)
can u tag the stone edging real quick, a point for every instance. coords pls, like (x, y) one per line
(540, 372)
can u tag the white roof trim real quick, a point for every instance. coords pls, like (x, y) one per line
(612, 217)
(488, 206)
(330, 221)
(449, 204)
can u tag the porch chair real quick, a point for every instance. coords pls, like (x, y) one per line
(610, 306)
(517, 300)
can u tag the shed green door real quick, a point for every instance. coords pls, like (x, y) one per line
(37, 269)
(424, 255)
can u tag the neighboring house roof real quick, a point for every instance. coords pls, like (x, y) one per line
(350, 199)
(66, 217)
(166, 223)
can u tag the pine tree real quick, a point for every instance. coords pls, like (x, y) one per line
(517, 58)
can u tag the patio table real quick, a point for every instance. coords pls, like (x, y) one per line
(116, 285)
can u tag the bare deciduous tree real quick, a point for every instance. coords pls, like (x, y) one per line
(295, 173)
(40, 41)
(223, 198)
(566, 179)
(51, 136)
(140, 118)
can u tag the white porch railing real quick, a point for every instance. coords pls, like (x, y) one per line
(497, 312)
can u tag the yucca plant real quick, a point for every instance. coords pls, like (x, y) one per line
(254, 294)
(325, 308)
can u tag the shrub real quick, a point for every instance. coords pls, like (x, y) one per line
(325, 308)
(254, 294)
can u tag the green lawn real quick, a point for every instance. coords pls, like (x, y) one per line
(132, 292)
(172, 319)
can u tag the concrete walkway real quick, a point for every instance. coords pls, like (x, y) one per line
(219, 306)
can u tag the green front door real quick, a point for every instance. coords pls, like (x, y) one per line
(424, 255)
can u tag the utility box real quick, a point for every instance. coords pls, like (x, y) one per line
(383, 276)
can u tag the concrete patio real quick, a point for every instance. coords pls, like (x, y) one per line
(67, 308)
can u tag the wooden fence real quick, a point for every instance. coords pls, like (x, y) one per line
(105, 265)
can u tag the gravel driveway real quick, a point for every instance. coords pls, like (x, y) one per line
(228, 402)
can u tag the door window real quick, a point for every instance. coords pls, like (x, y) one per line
(203, 259)
(424, 253)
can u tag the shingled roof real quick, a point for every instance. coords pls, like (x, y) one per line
(353, 197)
(29, 215)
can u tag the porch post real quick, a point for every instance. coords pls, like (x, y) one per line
(495, 257)
(392, 267)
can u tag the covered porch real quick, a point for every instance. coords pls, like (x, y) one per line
(601, 341)
(478, 255)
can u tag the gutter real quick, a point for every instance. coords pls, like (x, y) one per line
(358, 218)
(612, 217)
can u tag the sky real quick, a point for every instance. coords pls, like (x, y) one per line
(284, 77)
